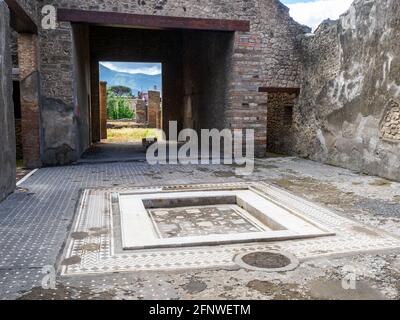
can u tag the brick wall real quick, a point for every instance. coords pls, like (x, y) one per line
(153, 108)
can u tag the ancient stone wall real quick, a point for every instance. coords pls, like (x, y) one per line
(265, 56)
(348, 110)
(7, 131)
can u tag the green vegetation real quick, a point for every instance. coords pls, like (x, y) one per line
(118, 106)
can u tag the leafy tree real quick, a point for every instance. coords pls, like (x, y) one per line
(122, 91)
(118, 107)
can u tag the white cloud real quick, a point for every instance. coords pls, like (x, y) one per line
(313, 13)
(151, 70)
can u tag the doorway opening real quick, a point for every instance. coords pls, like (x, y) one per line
(187, 60)
(130, 101)
(280, 123)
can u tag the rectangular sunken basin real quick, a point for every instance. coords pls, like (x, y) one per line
(163, 219)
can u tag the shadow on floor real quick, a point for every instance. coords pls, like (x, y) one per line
(114, 152)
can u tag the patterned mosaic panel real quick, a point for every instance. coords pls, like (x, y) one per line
(201, 221)
(91, 248)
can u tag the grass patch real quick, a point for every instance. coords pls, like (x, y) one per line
(132, 134)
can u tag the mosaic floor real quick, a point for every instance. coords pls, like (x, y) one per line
(92, 247)
(36, 220)
(200, 221)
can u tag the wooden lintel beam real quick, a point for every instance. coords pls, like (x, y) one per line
(150, 21)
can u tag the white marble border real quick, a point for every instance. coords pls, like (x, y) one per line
(138, 230)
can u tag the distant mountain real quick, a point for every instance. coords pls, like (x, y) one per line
(137, 82)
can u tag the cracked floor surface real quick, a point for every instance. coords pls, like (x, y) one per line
(35, 220)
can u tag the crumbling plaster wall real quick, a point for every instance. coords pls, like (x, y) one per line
(348, 111)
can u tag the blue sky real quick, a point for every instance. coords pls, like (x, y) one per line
(313, 12)
(134, 67)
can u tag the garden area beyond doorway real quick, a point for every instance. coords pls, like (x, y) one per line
(133, 99)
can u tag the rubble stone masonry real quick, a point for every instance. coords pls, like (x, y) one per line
(348, 113)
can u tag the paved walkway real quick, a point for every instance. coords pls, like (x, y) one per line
(35, 220)
(114, 152)
(125, 152)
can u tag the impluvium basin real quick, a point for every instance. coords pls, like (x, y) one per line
(194, 218)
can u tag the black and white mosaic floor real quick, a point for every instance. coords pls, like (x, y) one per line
(36, 221)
